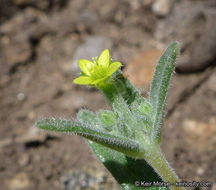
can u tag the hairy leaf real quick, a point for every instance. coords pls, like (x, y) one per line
(122, 144)
(107, 119)
(159, 86)
(126, 170)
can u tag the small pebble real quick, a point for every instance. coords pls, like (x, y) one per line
(21, 96)
(161, 7)
(200, 171)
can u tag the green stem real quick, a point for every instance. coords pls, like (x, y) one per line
(109, 92)
(153, 154)
(157, 160)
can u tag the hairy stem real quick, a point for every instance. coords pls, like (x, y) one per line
(157, 160)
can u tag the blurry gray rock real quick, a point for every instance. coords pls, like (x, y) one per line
(193, 25)
(89, 18)
(92, 177)
(161, 7)
(91, 47)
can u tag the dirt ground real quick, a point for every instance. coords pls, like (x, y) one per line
(38, 42)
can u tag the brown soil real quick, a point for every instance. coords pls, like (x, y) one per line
(36, 39)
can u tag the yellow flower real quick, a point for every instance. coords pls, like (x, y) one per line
(95, 72)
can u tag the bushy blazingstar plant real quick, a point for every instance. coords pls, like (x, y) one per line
(127, 139)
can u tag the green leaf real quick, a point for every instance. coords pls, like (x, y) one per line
(126, 88)
(126, 170)
(122, 144)
(159, 86)
(142, 108)
(121, 94)
(88, 117)
(107, 119)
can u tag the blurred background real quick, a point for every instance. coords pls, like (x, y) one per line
(40, 44)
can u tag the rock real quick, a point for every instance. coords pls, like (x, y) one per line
(106, 10)
(16, 51)
(89, 18)
(21, 97)
(192, 127)
(91, 47)
(22, 2)
(70, 100)
(6, 142)
(88, 178)
(161, 7)
(134, 36)
(19, 182)
(135, 4)
(34, 134)
(24, 160)
(147, 3)
(197, 34)
(211, 85)
(200, 171)
(39, 4)
(140, 69)
(31, 115)
(203, 52)
(179, 92)
(15, 45)
(205, 132)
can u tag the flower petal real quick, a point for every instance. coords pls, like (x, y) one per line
(104, 59)
(86, 66)
(83, 80)
(98, 80)
(113, 68)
